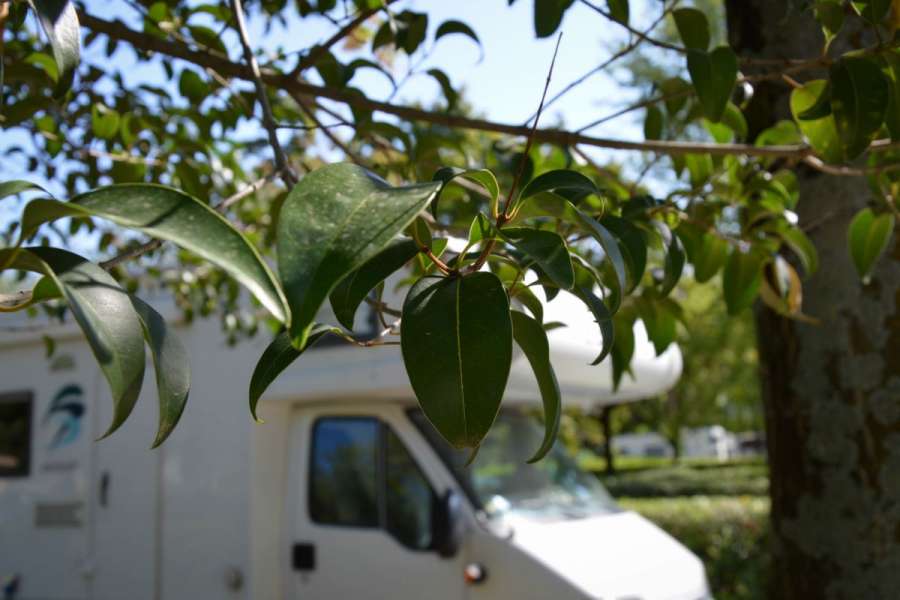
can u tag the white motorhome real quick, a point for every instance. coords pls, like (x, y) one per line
(345, 492)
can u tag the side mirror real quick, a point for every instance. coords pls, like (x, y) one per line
(447, 525)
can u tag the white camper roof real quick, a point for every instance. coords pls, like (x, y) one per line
(353, 373)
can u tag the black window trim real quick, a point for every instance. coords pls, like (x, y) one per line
(380, 475)
(26, 397)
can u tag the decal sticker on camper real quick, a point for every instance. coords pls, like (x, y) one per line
(65, 413)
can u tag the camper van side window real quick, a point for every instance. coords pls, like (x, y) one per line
(409, 498)
(343, 472)
(15, 434)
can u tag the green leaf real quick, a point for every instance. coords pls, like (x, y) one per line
(548, 16)
(623, 346)
(456, 339)
(17, 186)
(548, 204)
(192, 86)
(653, 123)
(173, 371)
(171, 215)
(713, 75)
(105, 314)
(482, 177)
(523, 294)
(563, 182)
(692, 27)
(873, 11)
(332, 222)
(741, 279)
(892, 73)
(104, 121)
(821, 134)
(709, 257)
(276, 358)
(446, 87)
(633, 245)
(532, 339)
(453, 26)
(546, 248)
(830, 14)
(802, 246)
(481, 229)
(859, 99)
(821, 107)
(619, 10)
(352, 290)
(659, 320)
(674, 263)
(602, 315)
(868, 237)
(60, 22)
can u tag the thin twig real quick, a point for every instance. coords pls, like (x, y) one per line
(281, 162)
(119, 31)
(605, 64)
(334, 139)
(640, 34)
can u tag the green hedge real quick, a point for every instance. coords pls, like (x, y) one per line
(704, 479)
(730, 535)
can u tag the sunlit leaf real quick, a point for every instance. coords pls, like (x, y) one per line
(868, 237)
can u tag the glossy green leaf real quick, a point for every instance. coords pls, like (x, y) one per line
(452, 26)
(619, 10)
(653, 123)
(821, 107)
(456, 340)
(710, 255)
(548, 204)
(546, 248)
(623, 346)
(352, 290)
(867, 238)
(276, 358)
(873, 11)
(173, 371)
(105, 314)
(584, 290)
(562, 181)
(633, 245)
(482, 177)
(892, 73)
(60, 22)
(830, 14)
(741, 279)
(659, 321)
(713, 75)
(171, 215)
(692, 27)
(332, 222)
(523, 294)
(822, 134)
(17, 186)
(675, 257)
(532, 339)
(481, 229)
(548, 15)
(802, 246)
(859, 99)
(447, 88)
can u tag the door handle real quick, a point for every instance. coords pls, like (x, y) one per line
(303, 557)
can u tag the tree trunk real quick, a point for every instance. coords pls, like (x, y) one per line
(606, 424)
(832, 390)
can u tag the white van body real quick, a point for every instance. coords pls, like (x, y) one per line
(223, 508)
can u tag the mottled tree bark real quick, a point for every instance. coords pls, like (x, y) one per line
(832, 390)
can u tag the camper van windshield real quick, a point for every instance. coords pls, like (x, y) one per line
(501, 481)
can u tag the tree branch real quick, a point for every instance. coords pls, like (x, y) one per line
(281, 162)
(120, 31)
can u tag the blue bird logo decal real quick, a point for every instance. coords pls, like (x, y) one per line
(67, 409)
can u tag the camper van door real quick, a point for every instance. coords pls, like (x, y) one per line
(361, 499)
